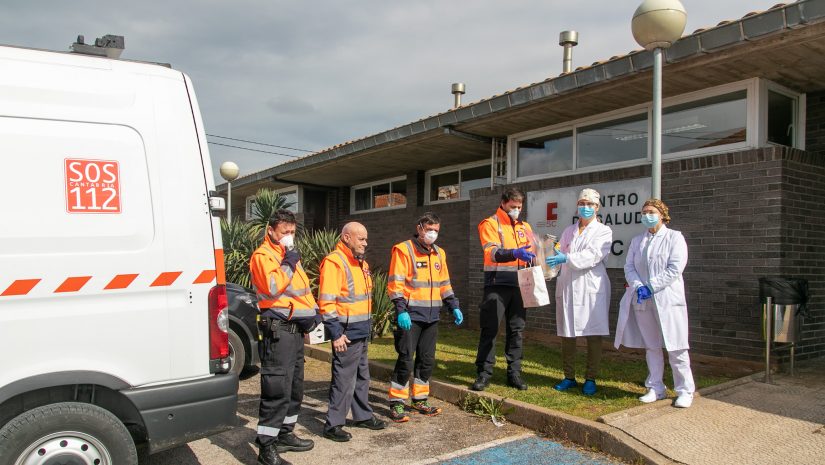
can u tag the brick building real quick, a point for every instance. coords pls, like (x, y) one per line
(743, 170)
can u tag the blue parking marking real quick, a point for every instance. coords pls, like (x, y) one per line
(530, 451)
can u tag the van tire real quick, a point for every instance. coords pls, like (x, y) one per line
(66, 429)
(237, 353)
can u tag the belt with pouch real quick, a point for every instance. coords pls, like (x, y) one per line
(271, 326)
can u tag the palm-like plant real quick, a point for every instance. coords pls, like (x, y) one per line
(382, 306)
(314, 246)
(266, 203)
(239, 241)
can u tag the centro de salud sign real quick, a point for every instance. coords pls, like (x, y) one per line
(550, 211)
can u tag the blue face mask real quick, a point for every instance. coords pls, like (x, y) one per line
(650, 220)
(586, 212)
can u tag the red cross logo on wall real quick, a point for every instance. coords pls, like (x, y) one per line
(551, 211)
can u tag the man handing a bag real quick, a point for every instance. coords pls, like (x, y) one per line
(506, 243)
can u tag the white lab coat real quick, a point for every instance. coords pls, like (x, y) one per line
(660, 268)
(582, 287)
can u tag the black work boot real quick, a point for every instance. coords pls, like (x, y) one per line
(516, 382)
(288, 442)
(481, 382)
(337, 434)
(269, 456)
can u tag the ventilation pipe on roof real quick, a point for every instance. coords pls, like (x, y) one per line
(458, 90)
(568, 40)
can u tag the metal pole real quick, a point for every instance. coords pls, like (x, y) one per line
(793, 357)
(229, 202)
(567, 63)
(656, 136)
(768, 337)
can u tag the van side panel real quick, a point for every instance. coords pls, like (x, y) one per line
(102, 288)
(107, 245)
(187, 225)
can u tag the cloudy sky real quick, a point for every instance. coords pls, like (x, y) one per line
(312, 74)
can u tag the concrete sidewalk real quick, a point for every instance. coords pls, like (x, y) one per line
(744, 422)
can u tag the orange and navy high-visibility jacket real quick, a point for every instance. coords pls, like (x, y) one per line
(500, 235)
(419, 281)
(345, 294)
(282, 292)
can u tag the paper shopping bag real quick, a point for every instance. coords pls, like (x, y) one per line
(533, 288)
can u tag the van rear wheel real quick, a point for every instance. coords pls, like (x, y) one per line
(66, 433)
(237, 353)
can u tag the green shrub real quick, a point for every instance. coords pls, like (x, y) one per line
(239, 241)
(314, 246)
(382, 307)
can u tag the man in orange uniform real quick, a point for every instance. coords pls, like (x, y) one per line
(288, 310)
(345, 298)
(418, 284)
(506, 244)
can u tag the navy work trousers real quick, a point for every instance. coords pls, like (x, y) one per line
(350, 385)
(282, 385)
(501, 302)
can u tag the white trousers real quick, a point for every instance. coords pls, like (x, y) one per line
(651, 329)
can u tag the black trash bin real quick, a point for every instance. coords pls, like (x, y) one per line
(789, 299)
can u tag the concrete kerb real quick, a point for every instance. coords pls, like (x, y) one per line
(586, 433)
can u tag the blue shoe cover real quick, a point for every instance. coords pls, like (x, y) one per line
(566, 384)
(589, 387)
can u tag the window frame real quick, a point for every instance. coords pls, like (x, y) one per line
(389, 181)
(800, 111)
(448, 169)
(756, 97)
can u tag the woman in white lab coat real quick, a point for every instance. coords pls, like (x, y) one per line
(583, 290)
(653, 311)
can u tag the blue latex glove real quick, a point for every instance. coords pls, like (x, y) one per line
(523, 254)
(404, 321)
(459, 317)
(643, 293)
(557, 259)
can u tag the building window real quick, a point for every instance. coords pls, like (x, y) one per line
(781, 118)
(456, 182)
(290, 195)
(612, 142)
(736, 116)
(720, 120)
(390, 193)
(547, 154)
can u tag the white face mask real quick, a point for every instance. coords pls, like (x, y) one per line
(288, 241)
(514, 213)
(429, 237)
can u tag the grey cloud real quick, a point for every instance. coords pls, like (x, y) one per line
(287, 105)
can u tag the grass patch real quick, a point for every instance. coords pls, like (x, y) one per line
(620, 383)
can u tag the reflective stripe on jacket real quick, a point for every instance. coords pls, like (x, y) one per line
(285, 293)
(419, 281)
(499, 235)
(345, 294)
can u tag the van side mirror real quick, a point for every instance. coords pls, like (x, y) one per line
(217, 204)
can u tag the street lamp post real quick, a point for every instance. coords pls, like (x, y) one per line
(229, 171)
(656, 25)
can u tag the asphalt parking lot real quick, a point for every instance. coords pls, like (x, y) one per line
(442, 439)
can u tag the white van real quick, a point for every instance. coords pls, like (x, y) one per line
(112, 298)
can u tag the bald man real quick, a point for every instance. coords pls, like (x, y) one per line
(344, 298)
